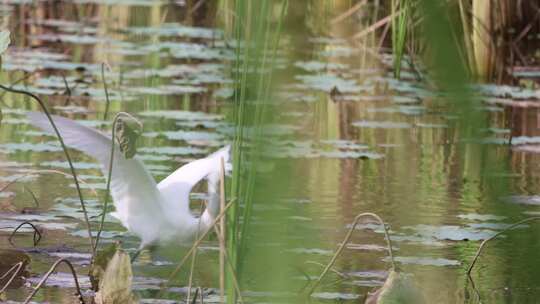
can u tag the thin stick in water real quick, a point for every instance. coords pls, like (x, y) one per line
(234, 277)
(109, 175)
(193, 258)
(221, 233)
(36, 233)
(36, 202)
(107, 104)
(48, 274)
(346, 241)
(483, 244)
(198, 242)
(15, 268)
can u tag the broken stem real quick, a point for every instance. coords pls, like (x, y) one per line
(346, 241)
(483, 244)
(199, 241)
(17, 267)
(36, 232)
(48, 274)
(109, 175)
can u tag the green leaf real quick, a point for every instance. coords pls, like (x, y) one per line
(399, 288)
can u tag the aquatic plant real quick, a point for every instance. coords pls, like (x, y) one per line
(400, 23)
(255, 50)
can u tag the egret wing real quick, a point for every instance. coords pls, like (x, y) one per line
(176, 187)
(136, 198)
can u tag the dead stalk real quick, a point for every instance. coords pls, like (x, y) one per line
(377, 25)
(231, 266)
(198, 242)
(349, 12)
(68, 157)
(107, 104)
(68, 90)
(36, 233)
(341, 274)
(483, 244)
(48, 274)
(222, 248)
(109, 175)
(36, 202)
(193, 258)
(16, 268)
(346, 241)
(195, 296)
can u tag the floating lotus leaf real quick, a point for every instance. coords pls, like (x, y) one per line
(398, 288)
(115, 285)
(127, 131)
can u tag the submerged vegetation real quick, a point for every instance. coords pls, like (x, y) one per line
(416, 111)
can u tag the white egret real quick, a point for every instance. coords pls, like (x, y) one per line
(156, 213)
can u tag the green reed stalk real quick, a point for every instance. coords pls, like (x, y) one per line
(256, 50)
(264, 86)
(464, 8)
(399, 31)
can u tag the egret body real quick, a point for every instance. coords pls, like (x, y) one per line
(156, 213)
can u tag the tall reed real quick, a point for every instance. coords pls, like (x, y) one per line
(400, 23)
(256, 48)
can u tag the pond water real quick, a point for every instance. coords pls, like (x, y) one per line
(357, 140)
